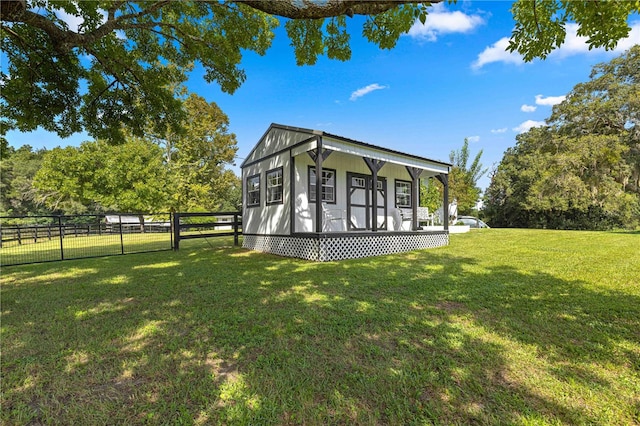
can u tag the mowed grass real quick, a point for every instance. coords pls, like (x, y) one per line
(74, 247)
(500, 327)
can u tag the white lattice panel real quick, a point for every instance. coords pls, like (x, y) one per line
(305, 248)
(347, 247)
(351, 247)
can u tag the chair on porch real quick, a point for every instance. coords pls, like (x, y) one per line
(333, 219)
(425, 216)
(400, 217)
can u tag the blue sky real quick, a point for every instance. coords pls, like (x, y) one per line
(446, 80)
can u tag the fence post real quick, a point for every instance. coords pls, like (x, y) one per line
(121, 240)
(35, 233)
(235, 229)
(176, 231)
(19, 235)
(60, 232)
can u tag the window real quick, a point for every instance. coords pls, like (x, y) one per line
(403, 193)
(253, 191)
(274, 186)
(328, 185)
(357, 182)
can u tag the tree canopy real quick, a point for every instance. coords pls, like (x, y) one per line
(195, 160)
(583, 169)
(118, 66)
(17, 170)
(101, 177)
(174, 172)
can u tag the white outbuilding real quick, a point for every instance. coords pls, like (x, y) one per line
(291, 171)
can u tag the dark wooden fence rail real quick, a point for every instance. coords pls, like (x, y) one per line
(184, 225)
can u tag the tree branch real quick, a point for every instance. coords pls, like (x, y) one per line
(309, 9)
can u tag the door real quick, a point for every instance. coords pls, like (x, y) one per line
(359, 202)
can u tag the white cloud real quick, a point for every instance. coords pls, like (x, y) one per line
(442, 21)
(525, 126)
(502, 130)
(528, 108)
(497, 52)
(473, 139)
(573, 45)
(632, 40)
(74, 21)
(549, 100)
(576, 45)
(365, 90)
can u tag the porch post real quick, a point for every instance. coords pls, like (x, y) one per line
(374, 166)
(319, 158)
(445, 207)
(292, 193)
(415, 173)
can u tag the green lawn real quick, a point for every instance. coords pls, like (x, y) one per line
(73, 247)
(501, 327)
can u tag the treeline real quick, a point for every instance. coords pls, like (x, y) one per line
(581, 170)
(181, 171)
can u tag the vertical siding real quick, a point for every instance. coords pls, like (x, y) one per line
(267, 219)
(275, 140)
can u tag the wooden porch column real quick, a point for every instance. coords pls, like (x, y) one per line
(415, 173)
(374, 166)
(445, 207)
(319, 155)
(292, 193)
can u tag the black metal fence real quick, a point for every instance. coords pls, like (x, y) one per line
(35, 239)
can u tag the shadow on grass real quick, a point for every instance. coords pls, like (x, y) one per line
(223, 335)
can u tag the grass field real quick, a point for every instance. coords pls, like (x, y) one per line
(501, 327)
(82, 246)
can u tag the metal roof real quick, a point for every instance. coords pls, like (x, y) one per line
(322, 133)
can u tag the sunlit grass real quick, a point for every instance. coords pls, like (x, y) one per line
(74, 247)
(500, 327)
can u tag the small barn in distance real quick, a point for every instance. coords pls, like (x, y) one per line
(310, 194)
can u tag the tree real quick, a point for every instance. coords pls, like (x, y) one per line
(17, 170)
(582, 170)
(98, 176)
(119, 66)
(196, 158)
(463, 178)
(430, 194)
(183, 171)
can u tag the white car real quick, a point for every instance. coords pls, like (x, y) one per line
(473, 222)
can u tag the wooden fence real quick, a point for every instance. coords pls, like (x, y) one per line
(196, 225)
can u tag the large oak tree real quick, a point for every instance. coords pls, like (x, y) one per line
(117, 66)
(583, 169)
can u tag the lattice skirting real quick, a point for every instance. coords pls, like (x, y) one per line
(325, 247)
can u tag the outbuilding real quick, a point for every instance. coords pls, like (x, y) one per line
(291, 171)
